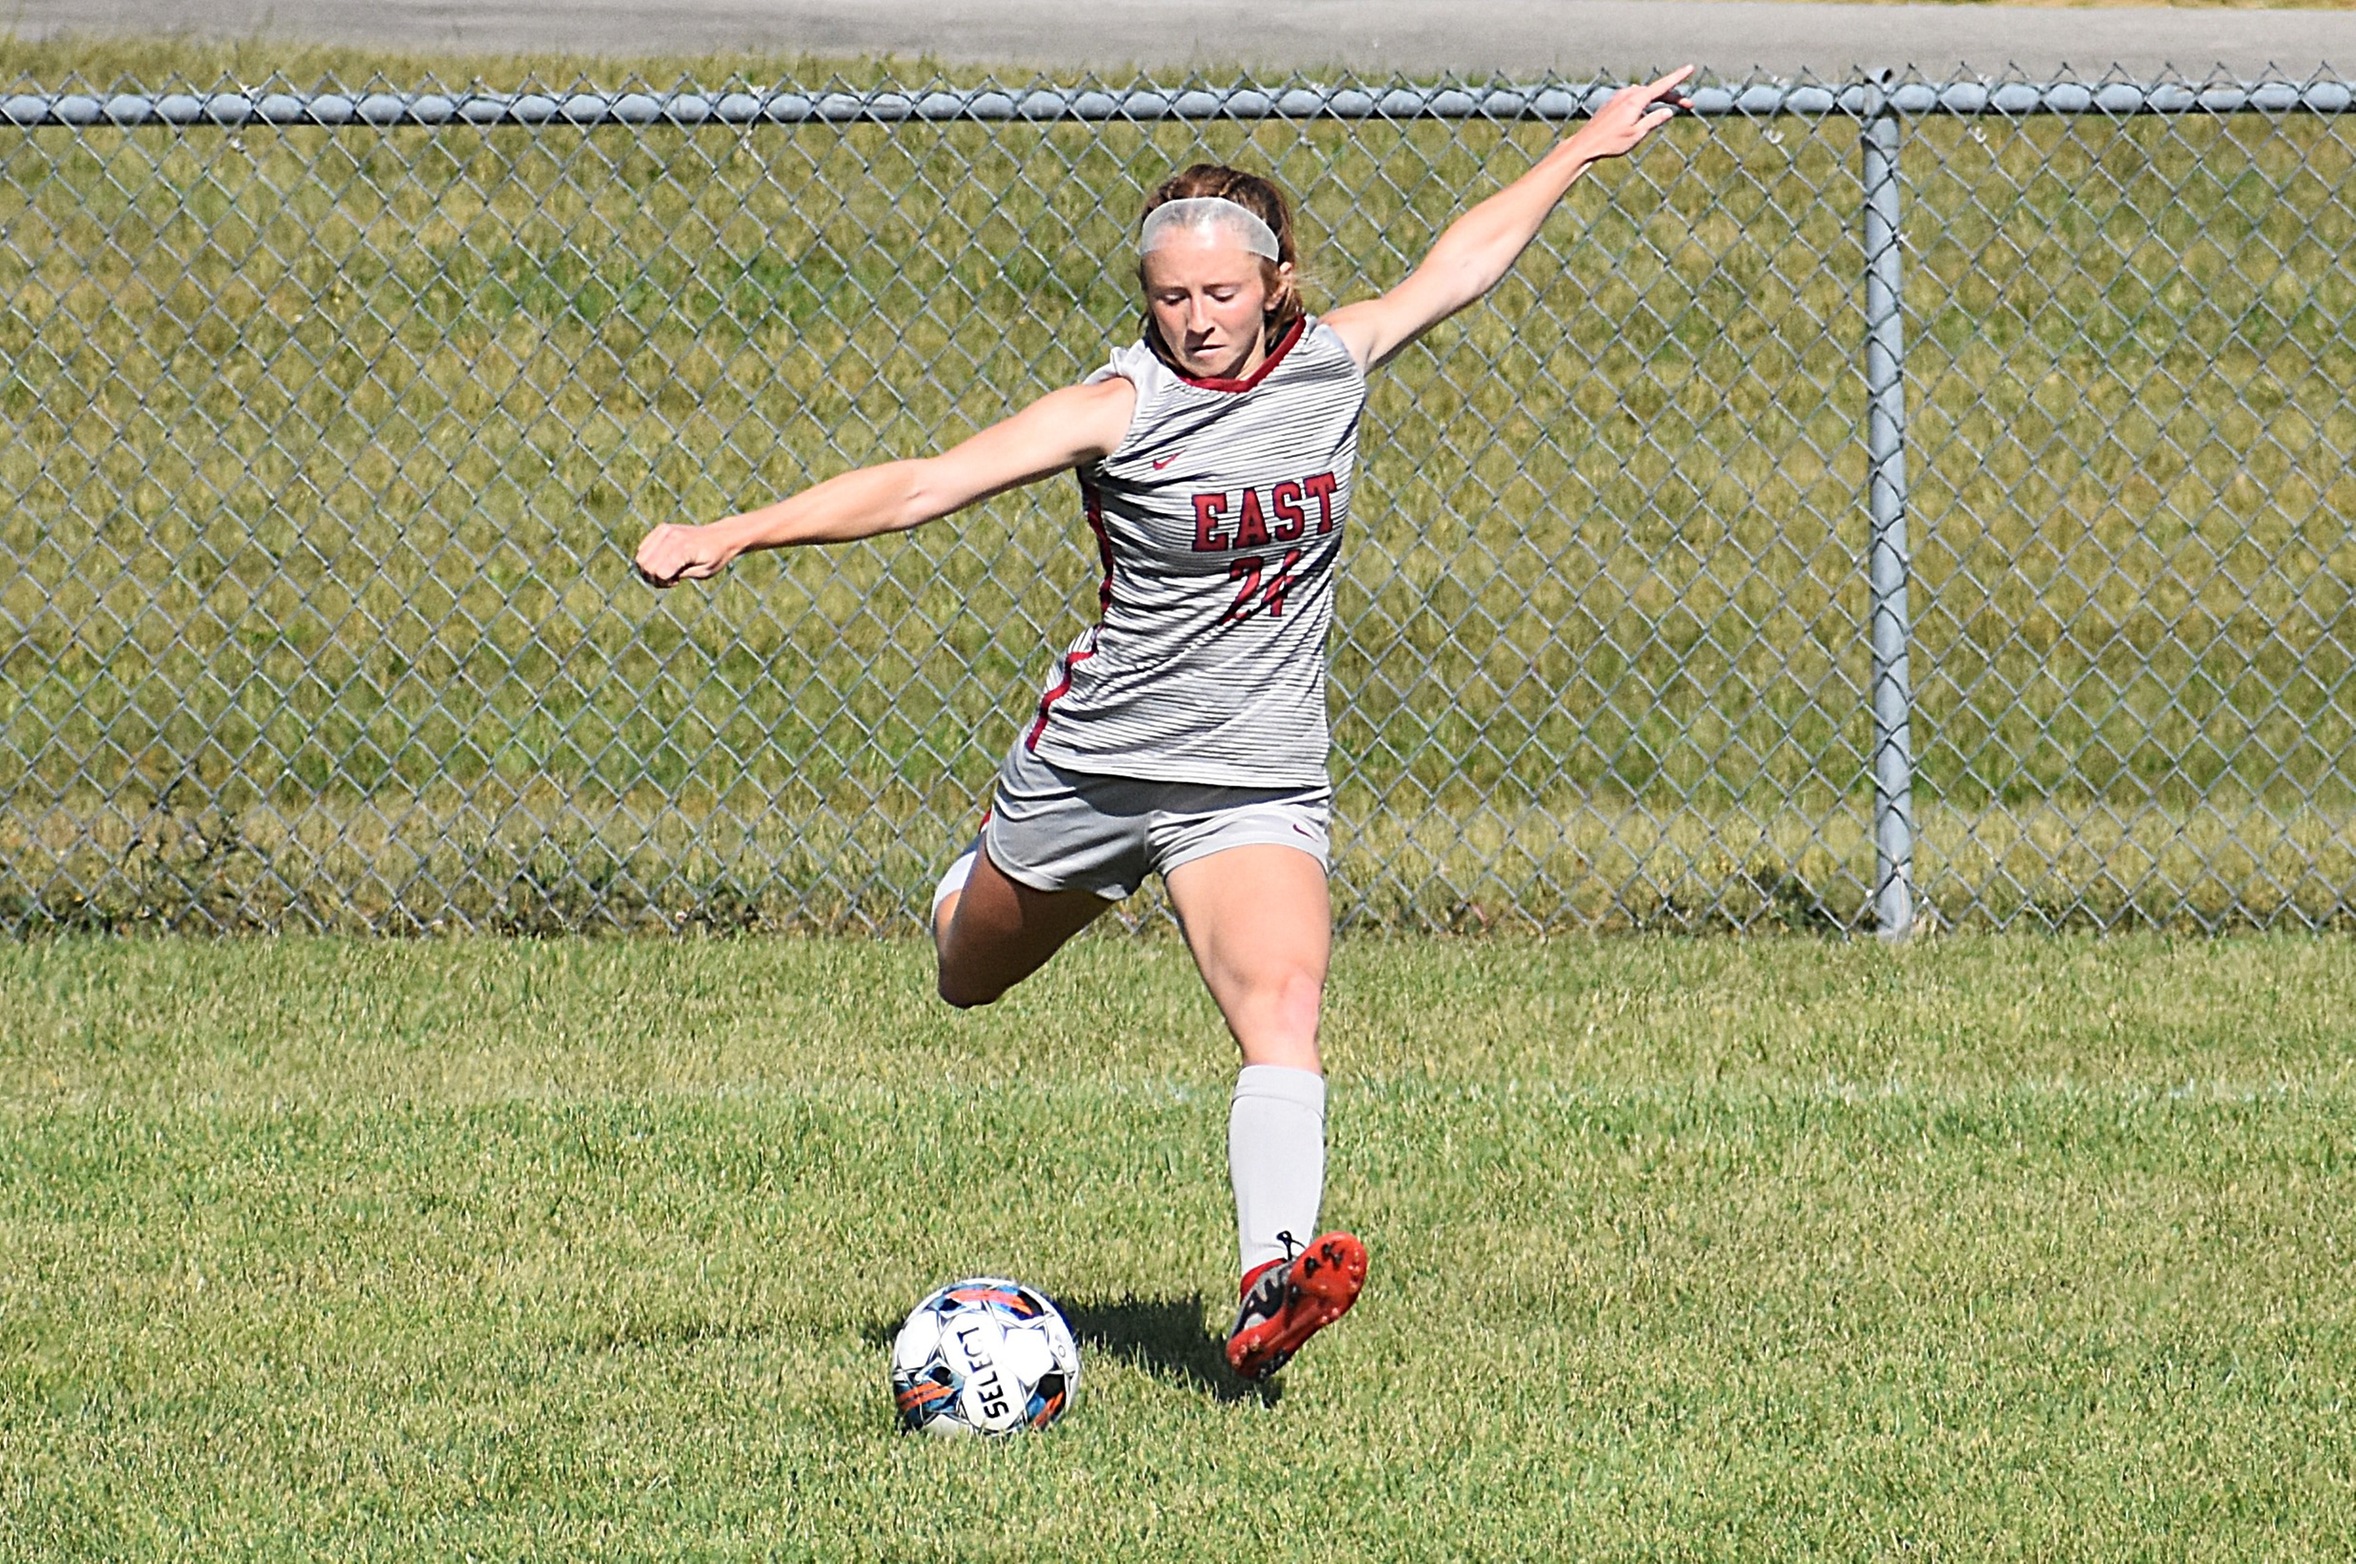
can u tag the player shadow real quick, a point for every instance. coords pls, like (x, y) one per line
(1165, 1337)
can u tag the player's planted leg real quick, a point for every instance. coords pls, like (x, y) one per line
(1276, 1153)
(1258, 922)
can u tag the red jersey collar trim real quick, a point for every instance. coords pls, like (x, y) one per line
(1284, 345)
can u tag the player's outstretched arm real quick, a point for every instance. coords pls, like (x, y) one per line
(1062, 429)
(1479, 248)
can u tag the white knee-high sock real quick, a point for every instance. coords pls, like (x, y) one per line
(1276, 1157)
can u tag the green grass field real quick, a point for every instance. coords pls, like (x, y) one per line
(1983, 1249)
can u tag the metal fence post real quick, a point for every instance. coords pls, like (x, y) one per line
(1885, 370)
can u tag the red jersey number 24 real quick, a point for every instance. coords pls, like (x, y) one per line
(1257, 592)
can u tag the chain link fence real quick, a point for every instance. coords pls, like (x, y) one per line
(332, 417)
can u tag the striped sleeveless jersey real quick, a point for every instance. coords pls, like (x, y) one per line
(1218, 521)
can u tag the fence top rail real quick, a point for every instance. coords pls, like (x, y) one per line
(746, 104)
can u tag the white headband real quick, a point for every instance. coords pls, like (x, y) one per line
(1212, 215)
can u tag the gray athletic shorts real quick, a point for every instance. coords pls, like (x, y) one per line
(1058, 830)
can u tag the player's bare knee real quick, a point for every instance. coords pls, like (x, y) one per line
(961, 992)
(1298, 997)
(1280, 1020)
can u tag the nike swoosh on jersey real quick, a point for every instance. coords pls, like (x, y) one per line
(1164, 462)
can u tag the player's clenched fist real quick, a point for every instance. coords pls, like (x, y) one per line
(671, 554)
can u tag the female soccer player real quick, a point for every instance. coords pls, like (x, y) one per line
(1185, 733)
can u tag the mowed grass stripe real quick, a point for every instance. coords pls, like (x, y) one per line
(1691, 1249)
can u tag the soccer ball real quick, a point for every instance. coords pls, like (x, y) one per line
(984, 1356)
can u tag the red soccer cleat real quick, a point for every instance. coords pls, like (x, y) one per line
(1285, 1302)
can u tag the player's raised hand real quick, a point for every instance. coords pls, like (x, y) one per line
(1634, 113)
(671, 554)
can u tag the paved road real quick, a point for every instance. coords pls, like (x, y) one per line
(1517, 37)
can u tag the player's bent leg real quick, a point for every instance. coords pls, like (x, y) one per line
(994, 932)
